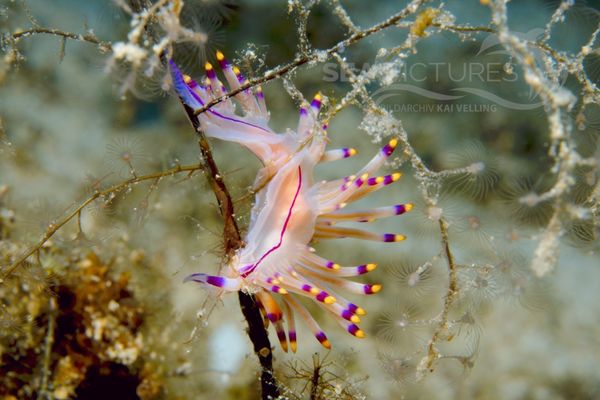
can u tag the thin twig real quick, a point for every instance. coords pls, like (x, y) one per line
(43, 392)
(464, 28)
(315, 379)
(53, 228)
(432, 351)
(105, 46)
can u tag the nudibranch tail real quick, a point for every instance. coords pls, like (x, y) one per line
(290, 208)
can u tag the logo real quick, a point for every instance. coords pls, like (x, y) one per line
(480, 83)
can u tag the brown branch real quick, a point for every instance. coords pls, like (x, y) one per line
(104, 46)
(54, 227)
(232, 241)
(432, 351)
(486, 29)
(49, 343)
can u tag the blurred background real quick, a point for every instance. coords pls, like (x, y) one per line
(100, 309)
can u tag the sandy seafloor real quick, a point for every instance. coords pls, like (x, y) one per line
(64, 119)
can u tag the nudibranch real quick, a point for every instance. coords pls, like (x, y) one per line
(290, 208)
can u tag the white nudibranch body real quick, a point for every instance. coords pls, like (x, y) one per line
(290, 209)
